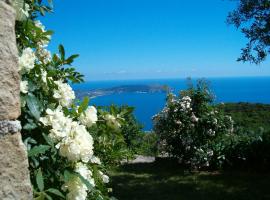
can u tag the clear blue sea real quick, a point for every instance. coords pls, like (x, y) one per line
(242, 89)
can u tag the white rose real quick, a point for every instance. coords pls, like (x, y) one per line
(89, 116)
(78, 146)
(104, 177)
(64, 94)
(27, 60)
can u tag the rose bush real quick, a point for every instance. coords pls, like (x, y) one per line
(189, 127)
(57, 129)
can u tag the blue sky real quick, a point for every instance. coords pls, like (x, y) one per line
(140, 39)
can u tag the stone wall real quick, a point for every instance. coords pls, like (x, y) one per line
(14, 175)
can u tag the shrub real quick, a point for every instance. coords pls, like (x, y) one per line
(189, 127)
(109, 135)
(247, 150)
(148, 144)
(117, 134)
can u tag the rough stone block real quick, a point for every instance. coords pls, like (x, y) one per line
(14, 174)
(9, 76)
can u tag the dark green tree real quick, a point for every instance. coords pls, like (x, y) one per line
(252, 17)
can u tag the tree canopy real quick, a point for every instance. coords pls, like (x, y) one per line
(253, 18)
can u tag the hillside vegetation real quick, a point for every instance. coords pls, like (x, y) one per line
(248, 115)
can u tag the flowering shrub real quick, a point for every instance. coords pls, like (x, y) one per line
(189, 128)
(57, 131)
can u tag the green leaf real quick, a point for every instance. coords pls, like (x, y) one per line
(62, 51)
(29, 126)
(48, 196)
(70, 59)
(85, 181)
(38, 150)
(39, 180)
(31, 86)
(34, 105)
(56, 192)
(40, 197)
(48, 140)
(67, 175)
(113, 110)
(49, 32)
(42, 11)
(83, 105)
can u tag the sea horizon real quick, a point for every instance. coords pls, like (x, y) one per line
(179, 78)
(255, 89)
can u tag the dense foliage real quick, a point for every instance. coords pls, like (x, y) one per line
(58, 131)
(247, 115)
(253, 18)
(116, 136)
(189, 127)
(148, 144)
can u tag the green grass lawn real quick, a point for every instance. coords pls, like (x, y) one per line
(164, 180)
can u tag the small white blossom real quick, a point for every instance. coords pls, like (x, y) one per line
(194, 118)
(39, 25)
(104, 177)
(95, 160)
(210, 153)
(27, 60)
(44, 76)
(178, 122)
(211, 132)
(24, 87)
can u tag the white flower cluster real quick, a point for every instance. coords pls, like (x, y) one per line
(27, 60)
(77, 190)
(64, 94)
(72, 138)
(185, 104)
(204, 157)
(75, 144)
(89, 116)
(78, 146)
(112, 121)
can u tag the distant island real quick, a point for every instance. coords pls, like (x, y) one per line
(121, 89)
